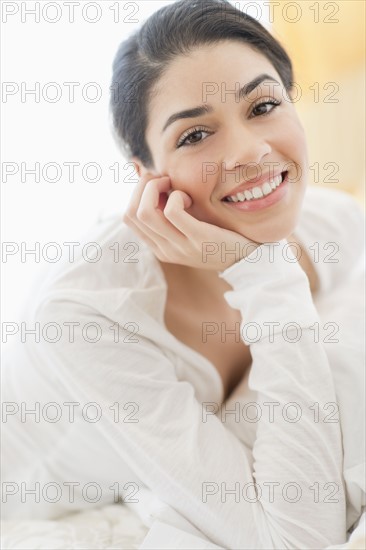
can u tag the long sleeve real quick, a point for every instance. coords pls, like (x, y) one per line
(196, 465)
(298, 437)
(340, 228)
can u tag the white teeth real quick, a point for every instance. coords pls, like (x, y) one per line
(257, 192)
(266, 188)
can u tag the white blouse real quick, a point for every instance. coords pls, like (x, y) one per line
(123, 409)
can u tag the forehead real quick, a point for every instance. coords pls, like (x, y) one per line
(227, 63)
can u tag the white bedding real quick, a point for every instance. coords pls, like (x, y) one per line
(111, 526)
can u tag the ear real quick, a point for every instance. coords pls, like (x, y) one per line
(292, 93)
(137, 165)
(141, 170)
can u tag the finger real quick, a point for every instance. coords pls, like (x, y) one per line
(163, 198)
(152, 216)
(176, 214)
(157, 243)
(143, 236)
(138, 191)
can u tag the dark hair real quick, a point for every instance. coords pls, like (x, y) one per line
(176, 30)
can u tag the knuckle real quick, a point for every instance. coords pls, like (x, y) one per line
(142, 215)
(128, 217)
(146, 178)
(168, 210)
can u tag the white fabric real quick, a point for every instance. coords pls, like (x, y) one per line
(159, 445)
(110, 526)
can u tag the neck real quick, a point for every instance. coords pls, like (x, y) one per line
(193, 283)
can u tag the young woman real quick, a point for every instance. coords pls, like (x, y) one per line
(224, 375)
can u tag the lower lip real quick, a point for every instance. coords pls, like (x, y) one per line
(264, 202)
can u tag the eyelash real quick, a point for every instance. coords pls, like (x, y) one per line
(181, 142)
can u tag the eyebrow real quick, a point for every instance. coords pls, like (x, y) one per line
(205, 109)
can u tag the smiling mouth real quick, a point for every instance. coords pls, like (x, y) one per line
(257, 192)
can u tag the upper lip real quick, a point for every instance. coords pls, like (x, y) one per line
(249, 184)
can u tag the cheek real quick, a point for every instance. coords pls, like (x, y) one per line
(291, 140)
(192, 181)
(187, 175)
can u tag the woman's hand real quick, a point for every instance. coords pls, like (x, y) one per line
(175, 236)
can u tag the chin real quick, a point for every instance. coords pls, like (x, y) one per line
(274, 228)
(270, 232)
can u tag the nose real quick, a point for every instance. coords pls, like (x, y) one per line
(246, 149)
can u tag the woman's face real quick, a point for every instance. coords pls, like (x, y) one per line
(231, 142)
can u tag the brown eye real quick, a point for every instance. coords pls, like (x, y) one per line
(262, 107)
(190, 138)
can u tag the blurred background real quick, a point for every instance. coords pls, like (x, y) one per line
(61, 169)
(327, 47)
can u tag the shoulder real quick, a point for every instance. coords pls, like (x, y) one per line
(332, 228)
(101, 270)
(92, 315)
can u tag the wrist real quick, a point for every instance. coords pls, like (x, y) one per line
(220, 256)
